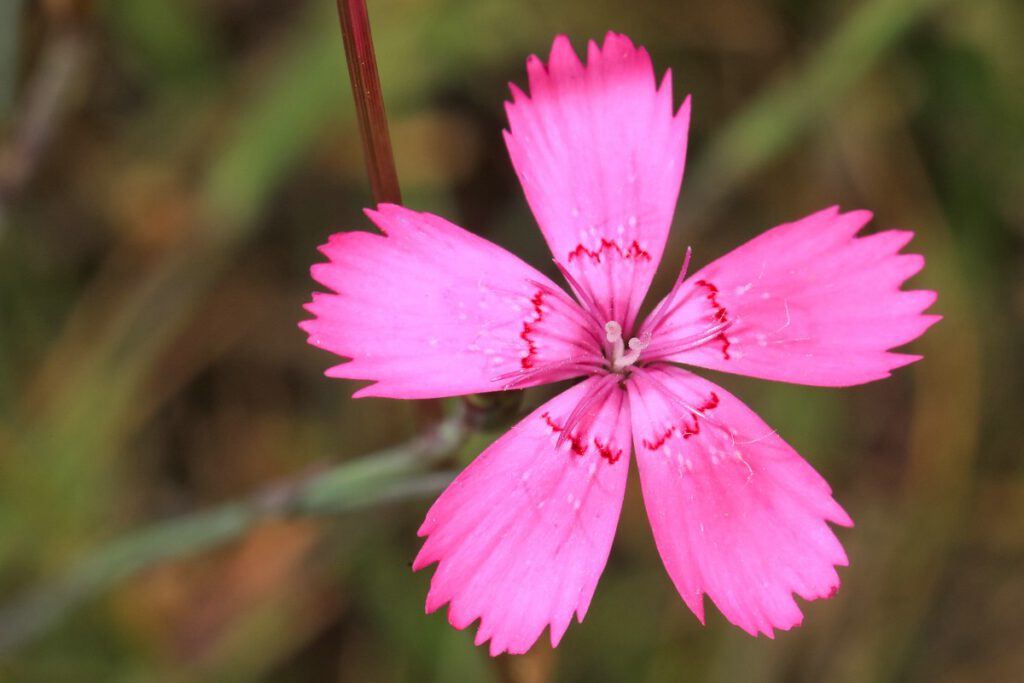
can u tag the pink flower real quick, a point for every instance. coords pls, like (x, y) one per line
(522, 535)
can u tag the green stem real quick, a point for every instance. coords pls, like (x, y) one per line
(390, 475)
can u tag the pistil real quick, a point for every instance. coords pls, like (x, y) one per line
(621, 359)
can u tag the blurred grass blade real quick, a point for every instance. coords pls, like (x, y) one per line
(10, 42)
(764, 129)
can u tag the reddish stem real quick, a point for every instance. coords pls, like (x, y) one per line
(373, 123)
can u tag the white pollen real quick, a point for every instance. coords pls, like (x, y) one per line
(575, 212)
(433, 341)
(632, 221)
(497, 360)
(766, 296)
(743, 289)
(472, 347)
(488, 352)
(525, 476)
(462, 316)
(576, 505)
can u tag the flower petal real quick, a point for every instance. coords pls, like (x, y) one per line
(522, 535)
(805, 302)
(429, 310)
(736, 513)
(600, 157)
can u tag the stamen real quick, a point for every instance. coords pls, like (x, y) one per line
(570, 367)
(662, 310)
(584, 297)
(693, 341)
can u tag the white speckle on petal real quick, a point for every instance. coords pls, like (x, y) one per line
(632, 221)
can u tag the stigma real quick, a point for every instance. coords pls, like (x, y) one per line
(619, 358)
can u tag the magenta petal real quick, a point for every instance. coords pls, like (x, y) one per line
(805, 302)
(736, 513)
(600, 157)
(431, 310)
(522, 535)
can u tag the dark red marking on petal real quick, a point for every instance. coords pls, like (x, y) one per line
(719, 314)
(633, 251)
(608, 453)
(684, 429)
(528, 360)
(578, 445)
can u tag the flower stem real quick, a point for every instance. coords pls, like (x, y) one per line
(373, 124)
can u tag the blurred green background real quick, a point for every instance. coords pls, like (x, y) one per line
(182, 494)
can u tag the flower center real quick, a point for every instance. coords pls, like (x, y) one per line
(619, 358)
